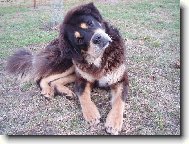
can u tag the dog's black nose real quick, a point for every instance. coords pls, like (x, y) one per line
(97, 39)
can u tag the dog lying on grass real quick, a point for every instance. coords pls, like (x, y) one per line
(89, 51)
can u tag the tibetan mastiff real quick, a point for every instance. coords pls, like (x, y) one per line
(90, 52)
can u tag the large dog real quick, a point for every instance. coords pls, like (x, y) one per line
(94, 50)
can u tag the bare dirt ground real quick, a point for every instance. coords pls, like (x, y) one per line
(153, 107)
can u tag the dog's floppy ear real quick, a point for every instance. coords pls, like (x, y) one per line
(68, 51)
(64, 46)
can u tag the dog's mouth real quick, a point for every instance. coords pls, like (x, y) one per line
(106, 44)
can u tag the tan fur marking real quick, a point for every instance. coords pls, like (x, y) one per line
(114, 119)
(110, 78)
(89, 109)
(113, 77)
(84, 26)
(57, 76)
(77, 34)
(59, 84)
(85, 75)
(47, 90)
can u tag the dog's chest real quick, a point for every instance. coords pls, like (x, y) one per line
(106, 79)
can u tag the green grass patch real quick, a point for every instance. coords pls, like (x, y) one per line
(25, 29)
(26, 86)
(11, 10)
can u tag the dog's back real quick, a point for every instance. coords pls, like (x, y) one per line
(47, 62)
(49, 68)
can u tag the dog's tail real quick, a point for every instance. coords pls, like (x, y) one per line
(20, 64)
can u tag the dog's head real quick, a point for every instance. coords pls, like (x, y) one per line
(83, 33)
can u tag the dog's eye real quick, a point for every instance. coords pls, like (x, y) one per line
(90, 23)
(80, 40)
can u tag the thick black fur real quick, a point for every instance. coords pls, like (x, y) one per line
(35, 67)
(20, 62)
(71, 48)
(58, 54)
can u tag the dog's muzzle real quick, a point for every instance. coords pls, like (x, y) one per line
(101, 39)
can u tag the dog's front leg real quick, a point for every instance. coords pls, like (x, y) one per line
(114, 119)
(89, 109)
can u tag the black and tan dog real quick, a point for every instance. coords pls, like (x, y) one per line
(92, 48)
(48, 68)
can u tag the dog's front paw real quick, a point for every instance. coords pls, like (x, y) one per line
(48, 92)
(114, 123)
(70, 95)
(91, 113)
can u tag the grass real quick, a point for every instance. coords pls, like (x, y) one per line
(11, 10)
(21, 27)
(151, 30)
(25, 86)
